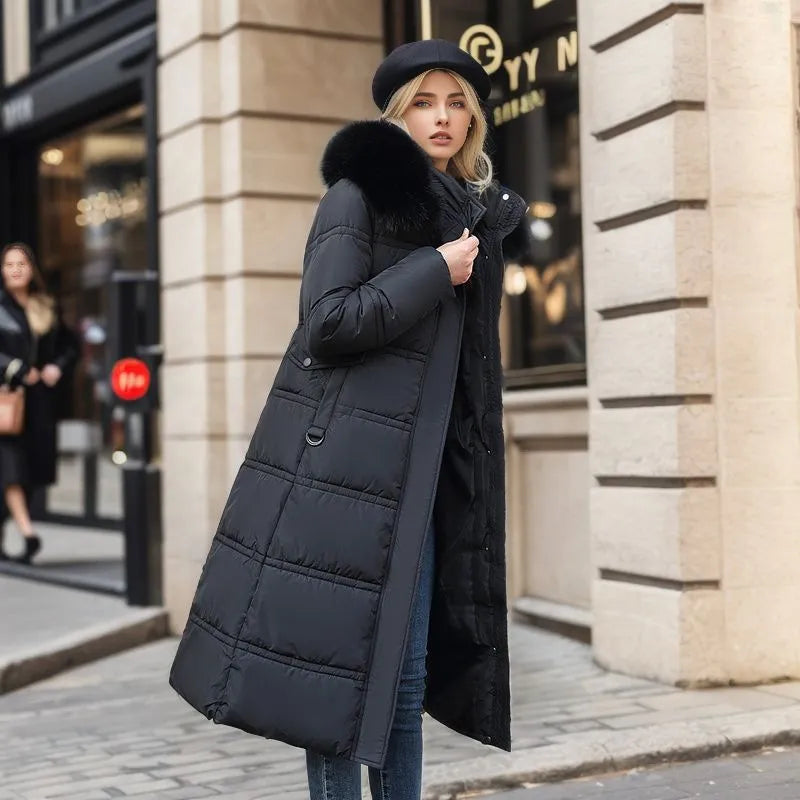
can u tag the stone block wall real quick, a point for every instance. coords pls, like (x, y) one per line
(249, 93)
(689, 140)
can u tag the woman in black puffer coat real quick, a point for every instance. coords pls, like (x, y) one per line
(359, 564)
(36, 350)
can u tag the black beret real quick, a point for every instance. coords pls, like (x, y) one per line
(411, 59)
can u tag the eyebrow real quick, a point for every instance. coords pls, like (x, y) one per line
(431, 94)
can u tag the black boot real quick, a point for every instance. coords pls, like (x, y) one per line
(33, 544)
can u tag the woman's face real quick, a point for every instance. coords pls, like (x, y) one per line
(17, 270)
(438, 118)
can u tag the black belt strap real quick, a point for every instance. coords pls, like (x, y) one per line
(316, 431)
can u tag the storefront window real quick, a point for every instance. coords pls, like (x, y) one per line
(92, 222)
(51, 14)
(63, 30)
(530, 49)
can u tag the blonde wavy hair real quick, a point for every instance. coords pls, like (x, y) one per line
(470, 163)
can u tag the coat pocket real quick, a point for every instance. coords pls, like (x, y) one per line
(298, 354)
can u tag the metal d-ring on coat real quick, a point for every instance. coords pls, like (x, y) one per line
(298, 627)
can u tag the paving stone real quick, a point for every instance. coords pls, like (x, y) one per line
(650, 718)
(581, 726)
(150, 787)
(116, 727)
(732, 778)
(95, 794)
(790, 690)
(742, 698)
(188, 793)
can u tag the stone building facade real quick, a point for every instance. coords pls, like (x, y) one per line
(690, 145)
(653, 498)
(659, 504)
(249, 93)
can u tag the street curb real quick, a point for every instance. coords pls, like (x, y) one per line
(608, 751)
(89, 644)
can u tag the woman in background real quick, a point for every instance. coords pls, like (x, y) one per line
(35, 351)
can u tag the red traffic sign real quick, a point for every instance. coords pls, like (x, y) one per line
(130, 379)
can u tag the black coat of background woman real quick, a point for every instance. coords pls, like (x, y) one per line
(36, 350)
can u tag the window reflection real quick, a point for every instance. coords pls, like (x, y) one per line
(531, 51)
(92, 221)
(51, 14)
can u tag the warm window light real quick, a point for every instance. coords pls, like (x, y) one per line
(52, 156)
(541, 3)
(541, 230)
(515, 281)
(100, 207)
(542, 210)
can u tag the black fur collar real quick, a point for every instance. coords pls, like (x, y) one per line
(390, 168)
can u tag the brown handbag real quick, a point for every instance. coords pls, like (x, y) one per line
(12, 410)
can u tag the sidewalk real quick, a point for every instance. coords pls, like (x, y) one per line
(45, 628)
(71, 554)
(115, 728)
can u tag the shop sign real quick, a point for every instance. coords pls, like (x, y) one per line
(130, 379)
(17, 111)
(484, 44)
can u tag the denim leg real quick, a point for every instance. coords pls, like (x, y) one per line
(401, 776)
(332, 778)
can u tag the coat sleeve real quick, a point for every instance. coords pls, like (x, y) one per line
(348, 310)
(66, 347)
(12, 370)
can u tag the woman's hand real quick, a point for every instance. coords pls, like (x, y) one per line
(31, 377)
(51, 375)
(459, 256)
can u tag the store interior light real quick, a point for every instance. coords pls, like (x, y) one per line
(542, 210)
(52, 156)
(119, 457)
(515, 281)
(100, 207)
(541, 230)
(94, 334)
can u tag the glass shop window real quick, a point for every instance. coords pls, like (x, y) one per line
(48, 15)
(530, 49)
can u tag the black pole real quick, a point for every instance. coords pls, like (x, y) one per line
(142, 503)
(131, 309)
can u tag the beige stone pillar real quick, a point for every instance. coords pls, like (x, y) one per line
(16, 40)
(249, 93)
(689, 178)
(547, 507)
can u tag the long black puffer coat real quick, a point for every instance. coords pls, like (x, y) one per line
(298, 628)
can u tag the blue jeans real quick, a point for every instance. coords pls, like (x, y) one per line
(401, 776)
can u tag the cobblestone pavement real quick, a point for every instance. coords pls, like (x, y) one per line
(769, 775)
(116, 729)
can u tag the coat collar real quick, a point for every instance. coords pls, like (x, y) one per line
(459, 207)
(396, 177)
(391, 170)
